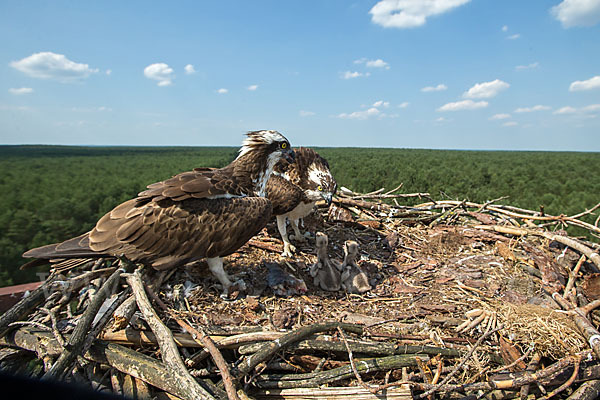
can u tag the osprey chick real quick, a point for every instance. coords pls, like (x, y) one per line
(326, 272)
(294, 188)
(354, 280)
(193, 215)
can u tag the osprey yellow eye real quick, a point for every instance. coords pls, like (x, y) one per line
(320, 188)
(283, 145)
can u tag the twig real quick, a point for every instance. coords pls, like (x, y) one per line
(567, 383)
(589, 390)
(202, 338)
(351, 359)
(76, 341)
(437, 387)
(189, 388)
(585, 327)
(234, 341)
(55, 330)
(572, 277)
(103, 321)
(531, 367)
(26, 305)
(268, 349)
(313, 379)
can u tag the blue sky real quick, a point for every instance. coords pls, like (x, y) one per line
(447, 74)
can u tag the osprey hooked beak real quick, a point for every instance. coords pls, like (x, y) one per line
(289, 155)
(328, 197)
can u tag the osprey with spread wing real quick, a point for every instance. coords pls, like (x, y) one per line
(294, 189)
(193, 215)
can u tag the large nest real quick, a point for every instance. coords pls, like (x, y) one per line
(464, 293)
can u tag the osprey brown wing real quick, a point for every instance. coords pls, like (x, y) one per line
(172, 233)
(284, 195)
(199, 183)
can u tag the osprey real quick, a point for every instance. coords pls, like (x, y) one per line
(294, 188)
(196, 214)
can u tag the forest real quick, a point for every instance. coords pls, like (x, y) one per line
(51, 193)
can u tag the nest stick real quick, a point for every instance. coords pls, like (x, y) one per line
(123, 314)
(583, 324)
(352, 365)
(565, 385)
(589, 390)
(234, 341)
(75, 345)
(269, 349)
(189, 388)
(531, 367)
(488, 333)
(202, 338)
(314, 379)
(24, 307)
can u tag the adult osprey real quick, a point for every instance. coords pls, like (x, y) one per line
(193, 215)
(294, 188)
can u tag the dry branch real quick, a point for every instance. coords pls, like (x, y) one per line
(75, 346)
(189, 388)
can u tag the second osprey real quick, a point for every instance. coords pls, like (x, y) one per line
(294, 189)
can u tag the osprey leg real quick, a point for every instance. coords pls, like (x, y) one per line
(216, 267)
(288, 248)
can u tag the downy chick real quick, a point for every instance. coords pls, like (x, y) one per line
(326, 272)
(354, 280)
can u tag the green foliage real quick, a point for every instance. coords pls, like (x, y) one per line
(51, 193)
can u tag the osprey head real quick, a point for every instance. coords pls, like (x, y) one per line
(322, 184)
(272, 142)
(259, 153)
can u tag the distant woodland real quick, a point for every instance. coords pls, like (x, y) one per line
(51, 193)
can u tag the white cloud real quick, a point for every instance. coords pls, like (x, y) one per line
(381, 103)
(371, 112)
(304, 113)
(410, 13)
(532, 109)
(513, 37)
(529, 66)
(510, 123)
(92, 109)
(160, 72)
(403, 105)
(437, 88)
(592, 83)
(379, 63)
(20, 91)
(565, 110)
(48, 65)
(222, 91)
(189, 69)
(252, 87)
(500, 116)
(352, 75)
(577, 12)
(486, 90)
(463, 105)
(591, 108)
(504, 28)
(583, 110)
(108, 71)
